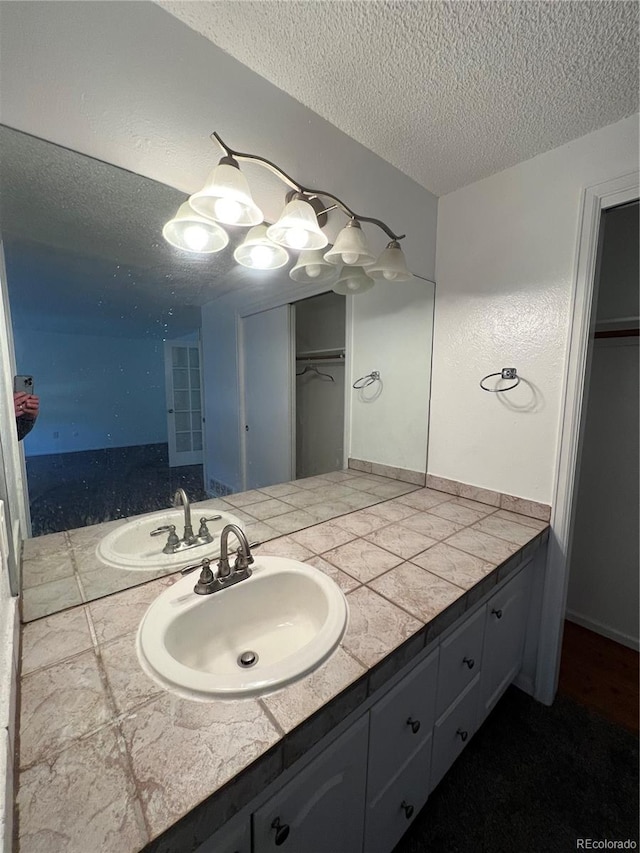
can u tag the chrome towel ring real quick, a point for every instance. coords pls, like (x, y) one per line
(369, 379)
(505, 373)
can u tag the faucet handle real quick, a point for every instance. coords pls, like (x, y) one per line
(203, 565)
(204, 530)
(242, 561)
(167, 528)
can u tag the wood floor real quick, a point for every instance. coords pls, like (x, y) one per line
(600, 674)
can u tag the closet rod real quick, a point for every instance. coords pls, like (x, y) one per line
(338, 357)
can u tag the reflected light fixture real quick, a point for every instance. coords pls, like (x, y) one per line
(226, 198)
(194, 233)
(311, 268)
(258, 252)
(353, 280)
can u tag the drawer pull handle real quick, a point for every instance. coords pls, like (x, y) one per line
(415, 725)
(497, 613)
(408, 809)
(463, 734)
(282, 831)
(469, 662)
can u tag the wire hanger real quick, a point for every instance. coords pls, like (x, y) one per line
(311, 368)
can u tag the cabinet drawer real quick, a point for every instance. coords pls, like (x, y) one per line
(400, 723)
(453, 730)
(391, 814)
(460, 660)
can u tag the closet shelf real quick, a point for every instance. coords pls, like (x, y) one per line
(306, 355)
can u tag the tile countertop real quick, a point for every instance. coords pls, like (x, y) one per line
(111, 762)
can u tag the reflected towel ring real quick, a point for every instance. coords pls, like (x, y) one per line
(369, 379)
(505, 373)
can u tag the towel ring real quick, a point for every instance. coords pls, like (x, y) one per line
(505, 373)
(369, 379)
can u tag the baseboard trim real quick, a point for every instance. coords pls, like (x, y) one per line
(603, 630)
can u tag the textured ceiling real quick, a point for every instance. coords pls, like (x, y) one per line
(447, 92)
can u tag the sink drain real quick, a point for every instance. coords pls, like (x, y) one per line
(247, 659)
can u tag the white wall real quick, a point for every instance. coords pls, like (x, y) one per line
(392, 327)
(9, 627)
(506, 262)
(94, 391)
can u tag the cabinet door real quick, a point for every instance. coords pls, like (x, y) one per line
(400, 723)
(504, 639)
(390, 815)
(233, 837)
(453, 731)
(321, 810)
(460, 659)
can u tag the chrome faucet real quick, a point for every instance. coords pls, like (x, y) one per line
(181, 497)
(225, 576)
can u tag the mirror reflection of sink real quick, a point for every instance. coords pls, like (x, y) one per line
(264, 632)
(131, 546)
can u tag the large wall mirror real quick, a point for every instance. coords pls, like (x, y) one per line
(158, 370)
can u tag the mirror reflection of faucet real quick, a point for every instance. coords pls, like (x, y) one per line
(189, 539)
(225, 576)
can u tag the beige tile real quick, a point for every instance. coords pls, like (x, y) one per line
(267, 509)
(457, 513)
(376, 627)
(391, 511)
(81, 800)
(431, 525)
(441, 484)
(360, 499)
(344, 581)
(361, 523)
(122, 613)
(44, 546)
(284, 546)
(295, 703)
(362, 559)
(482, 545)
(312, 482)
(457, 567)
(279, 490)
(41, 570)
(106, 580)
(475, 493)
(129, 685)
(400, 540)
(424, 499)
(245, 498)
(325, 511)
(535, 523)
(360, 465)
(339, 476)
(59, 705)
(505, 529)
(181, 751)
(260, 531)
(332, 491)
(302, 498)
(392, 489)
(525, 507)
(49, 598)
(87, 538)
(55, 638)
(291, 522)
(420, 593)
(322, 537)
(364, 483)
(476, 506)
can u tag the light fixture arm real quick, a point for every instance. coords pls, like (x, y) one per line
(287, 179)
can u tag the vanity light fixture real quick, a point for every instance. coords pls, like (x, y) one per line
(226, 198)
(192, 232)
(258, 252)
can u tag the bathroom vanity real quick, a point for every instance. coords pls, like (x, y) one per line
(443, 616)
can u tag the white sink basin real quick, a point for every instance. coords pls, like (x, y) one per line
(131, 546)
(289, 615)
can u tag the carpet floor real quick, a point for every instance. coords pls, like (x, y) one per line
(534, 779)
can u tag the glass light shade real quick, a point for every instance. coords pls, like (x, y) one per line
(350, 248)
(311, 268)
(353, 280)
(298, 227)
(258, 252)
(226, 197)
(391, 265)
(194, 233)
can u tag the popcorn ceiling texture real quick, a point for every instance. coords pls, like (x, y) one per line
(450, 92)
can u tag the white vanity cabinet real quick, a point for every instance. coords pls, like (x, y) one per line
(504, 636)
(322, 808)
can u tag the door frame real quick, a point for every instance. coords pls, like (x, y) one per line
(595, 199)
(168, 382)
